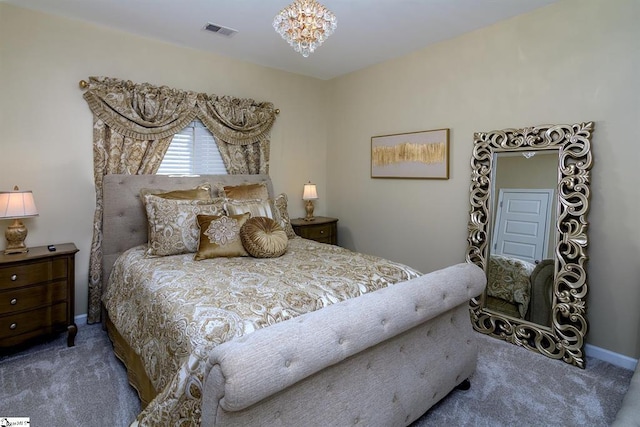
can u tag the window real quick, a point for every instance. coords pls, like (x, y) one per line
(193, 151)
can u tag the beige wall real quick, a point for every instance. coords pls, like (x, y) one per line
(573, 61)
(46, 126)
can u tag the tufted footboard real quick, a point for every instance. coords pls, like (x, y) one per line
(629, 413)
(381, 359)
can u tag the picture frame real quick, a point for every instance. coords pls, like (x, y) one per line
(416, 155)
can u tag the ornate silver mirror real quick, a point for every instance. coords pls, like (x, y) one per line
(528, 231)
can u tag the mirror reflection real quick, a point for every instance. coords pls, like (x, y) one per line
(518, 234)
(520, 270)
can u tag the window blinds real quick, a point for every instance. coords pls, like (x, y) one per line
(193, 151)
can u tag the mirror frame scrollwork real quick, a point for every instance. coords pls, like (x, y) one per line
(565, 338)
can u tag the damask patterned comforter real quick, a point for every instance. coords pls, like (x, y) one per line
(173, 310)
(509, 280)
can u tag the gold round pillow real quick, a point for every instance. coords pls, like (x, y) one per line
(263, 237)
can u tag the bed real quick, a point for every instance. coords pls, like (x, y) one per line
(318, 335)
(521, 289)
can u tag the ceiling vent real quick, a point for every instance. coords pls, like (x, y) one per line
(219, 29)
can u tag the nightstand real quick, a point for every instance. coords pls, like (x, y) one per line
(37, 294)
(322, 229)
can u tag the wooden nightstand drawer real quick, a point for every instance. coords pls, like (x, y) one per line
(321, 229)
(32, 297)
(16, 276)
(37, 290)
(314, 232)
(37, 320)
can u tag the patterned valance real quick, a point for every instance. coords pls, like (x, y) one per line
(143, 111)
(235, 120)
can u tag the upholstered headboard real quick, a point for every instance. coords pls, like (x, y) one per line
(125, 222)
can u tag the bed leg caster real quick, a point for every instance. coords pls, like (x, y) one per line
(464, 385)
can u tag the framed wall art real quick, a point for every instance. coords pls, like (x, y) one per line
(422, 155)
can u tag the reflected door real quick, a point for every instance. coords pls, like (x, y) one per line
(522, 223)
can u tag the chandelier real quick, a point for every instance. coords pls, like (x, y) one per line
(305, 25)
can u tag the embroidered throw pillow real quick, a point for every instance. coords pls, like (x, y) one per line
(173, 228)
(282, 211)
(263, 237)
(220, 236)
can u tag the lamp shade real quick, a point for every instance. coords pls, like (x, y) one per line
(309, 192)
(17, 204)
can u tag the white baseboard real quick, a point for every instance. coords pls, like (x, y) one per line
(617, 359)
(81, 319)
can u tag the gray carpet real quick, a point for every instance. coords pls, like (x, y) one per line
(513, 386)
(86, 385)
(58, 386)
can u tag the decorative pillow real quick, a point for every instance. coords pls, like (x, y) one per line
(244, 192)
(201, 192)
(275, 209)
(263, 237)
(255, 207)
(220, 236)
(173, 228)
(282, 211)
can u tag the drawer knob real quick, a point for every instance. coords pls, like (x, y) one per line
(13, 301)
(14, 277)
(321, 231)
(13, 326)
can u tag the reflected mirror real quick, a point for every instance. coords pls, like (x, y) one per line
(529, 199)
(522, 234)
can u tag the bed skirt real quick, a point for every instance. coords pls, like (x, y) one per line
(135, 371)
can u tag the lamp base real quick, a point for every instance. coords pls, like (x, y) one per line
(16, 251)
(15, 234)
(309, 208)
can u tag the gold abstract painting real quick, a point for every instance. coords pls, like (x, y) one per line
(411, 155)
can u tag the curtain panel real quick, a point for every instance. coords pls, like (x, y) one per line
(133, 124)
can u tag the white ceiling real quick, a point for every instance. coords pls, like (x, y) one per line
(369, 31)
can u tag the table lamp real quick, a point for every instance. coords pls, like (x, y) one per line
(16, 205)
(309, 194)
